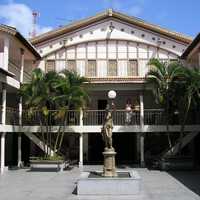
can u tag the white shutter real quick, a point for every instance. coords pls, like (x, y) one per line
(91, 50)
(142, 51)
(152, 52)
(143, 67)
(101, 68)
(60, 65)
(60, 54)
(80, 67)
(81, 51)
(122, 68)
(101, 50)
(132, 50)
(71, 53)
(112, 50)
(122, 50)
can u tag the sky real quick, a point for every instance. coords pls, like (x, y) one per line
(177, 15)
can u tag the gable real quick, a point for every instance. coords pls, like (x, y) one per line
(108, 14)
(122, 32)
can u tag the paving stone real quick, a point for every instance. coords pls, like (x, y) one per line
(156, 185)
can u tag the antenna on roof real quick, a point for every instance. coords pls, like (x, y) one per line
(35, 15)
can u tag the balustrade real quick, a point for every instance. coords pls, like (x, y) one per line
(89, 118)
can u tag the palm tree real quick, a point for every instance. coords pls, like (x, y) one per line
(52, 95)
(71, 93)
(163, 76)
(190, 95)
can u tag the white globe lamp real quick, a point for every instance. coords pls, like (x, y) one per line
(112, 94)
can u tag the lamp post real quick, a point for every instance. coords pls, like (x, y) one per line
(112, 95)
(109, 169)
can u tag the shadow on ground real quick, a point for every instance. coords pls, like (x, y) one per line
(191, 179)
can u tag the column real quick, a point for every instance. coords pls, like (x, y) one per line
(6, 53)
(19, 162)
(81, 150)
(81, 141)
(3, 152)
(85, 146)
(142, 162)
(3, 118)
(19, 152)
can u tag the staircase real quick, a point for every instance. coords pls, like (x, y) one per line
(180, 144)
(40, 143)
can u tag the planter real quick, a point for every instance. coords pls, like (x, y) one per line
(47, 165)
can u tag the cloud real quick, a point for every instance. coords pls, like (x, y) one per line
(20, 16)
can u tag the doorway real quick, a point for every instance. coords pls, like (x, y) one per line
(101, 106)
(125, 145)
(102, 103)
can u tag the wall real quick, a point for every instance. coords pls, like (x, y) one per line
(96, 42)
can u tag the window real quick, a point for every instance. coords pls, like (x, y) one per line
(91, 68)
(132, 68)
(50, 65)
(71, 65)
(173, 60)
(112, 68)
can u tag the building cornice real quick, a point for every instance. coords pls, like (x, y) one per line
(110, 14)
(117, 80)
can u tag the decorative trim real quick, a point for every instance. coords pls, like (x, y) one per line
(106, 15)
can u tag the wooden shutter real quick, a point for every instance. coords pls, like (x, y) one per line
(112, 68)
(133, 68)
(91, 68)
(71, 65)
(50, 65)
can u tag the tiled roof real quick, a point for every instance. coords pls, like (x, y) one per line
(110, 14)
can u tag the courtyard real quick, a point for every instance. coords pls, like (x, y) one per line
(24, 184)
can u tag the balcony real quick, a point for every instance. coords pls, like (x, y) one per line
(15, 69)
(91, 118)
(90, 121)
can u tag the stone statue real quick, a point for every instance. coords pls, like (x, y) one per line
(106, 130)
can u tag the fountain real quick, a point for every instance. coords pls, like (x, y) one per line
(109, 181)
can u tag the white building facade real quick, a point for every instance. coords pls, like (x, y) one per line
(112, 50)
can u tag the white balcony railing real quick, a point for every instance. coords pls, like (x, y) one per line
(92, 117)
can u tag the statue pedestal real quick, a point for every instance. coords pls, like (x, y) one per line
(109, 169)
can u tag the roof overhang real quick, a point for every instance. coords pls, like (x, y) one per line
(192, 46)
(106, 15)
(6, 72)
(13, 31)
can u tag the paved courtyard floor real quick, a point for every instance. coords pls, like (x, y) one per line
(24, 184)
